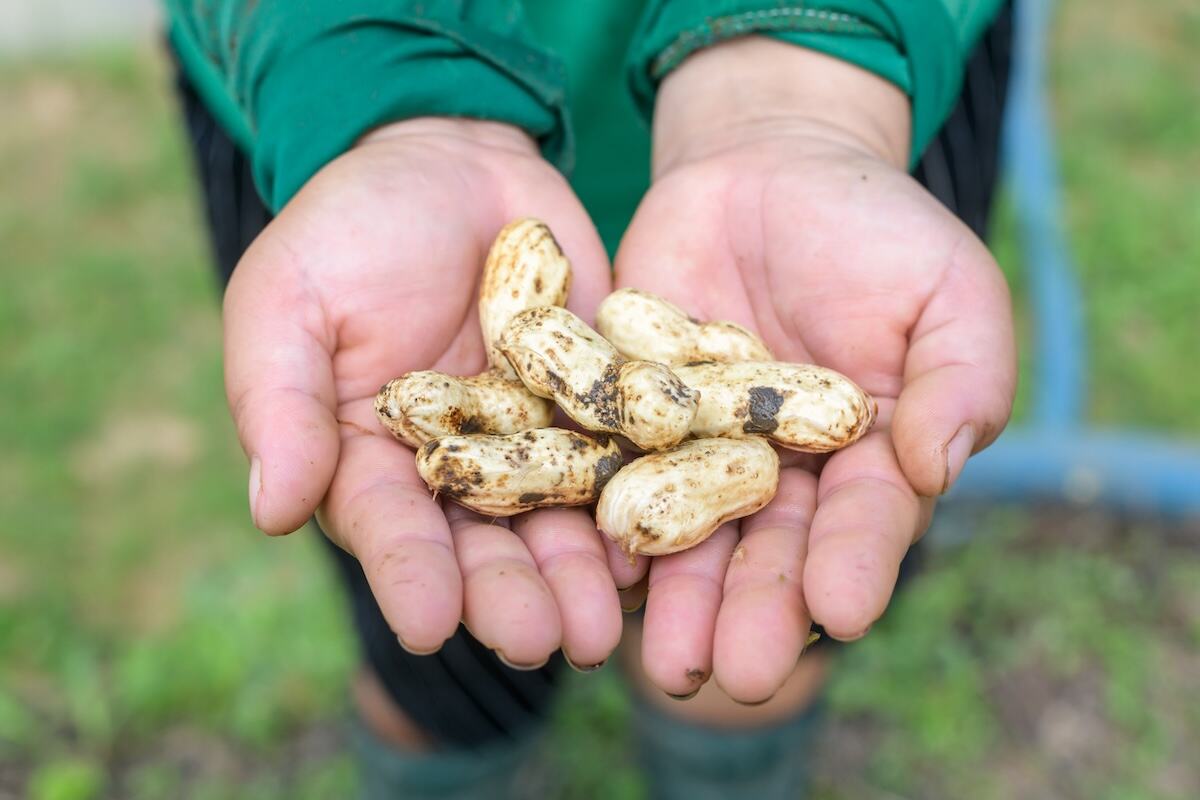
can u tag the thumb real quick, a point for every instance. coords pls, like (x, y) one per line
(960, 373)
(279, 383)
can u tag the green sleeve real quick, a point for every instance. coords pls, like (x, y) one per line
(297, 82)
(919, 45)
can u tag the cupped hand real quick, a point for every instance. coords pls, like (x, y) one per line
(808, 231)
(369, 272)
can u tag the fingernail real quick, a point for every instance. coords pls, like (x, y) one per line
(578, 668)
(631, 598)
(687, 696)
(753, 703)
(415, 651)
(957, 453)
(519, 667)
(255, 488)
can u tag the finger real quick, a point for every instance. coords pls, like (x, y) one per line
(566, 547)
(380, 510)
(763, 623)
(960, 373)
(634, 596)
(279, 383)
(681, 613)
(867, 516)
(625, 573)
(506, 604)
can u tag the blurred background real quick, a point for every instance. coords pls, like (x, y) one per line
(152, 645)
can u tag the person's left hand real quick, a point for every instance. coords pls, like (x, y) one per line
(806, 229)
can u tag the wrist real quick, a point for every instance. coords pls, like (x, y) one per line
(754, 88)
(481, 133)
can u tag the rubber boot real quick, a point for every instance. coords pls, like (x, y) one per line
(488, 773)
(684, 761)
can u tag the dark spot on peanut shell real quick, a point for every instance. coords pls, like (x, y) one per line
(762, 407)
(606, 467)
(601, 398)
(557, 385)
(528, 498)
(647, 531)
(452, 480)
(678, 393)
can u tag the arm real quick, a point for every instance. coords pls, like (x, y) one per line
(386, 208)
(780, 201)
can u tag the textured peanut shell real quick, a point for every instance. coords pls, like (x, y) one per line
(666, 502)
(504, 475)
(557, 355)
(644, 326)
(798, 406)
(419, 406)
(525, 268)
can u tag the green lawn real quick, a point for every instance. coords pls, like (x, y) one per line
(153, 646)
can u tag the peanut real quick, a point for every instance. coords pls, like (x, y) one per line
(420, 406)
(799, 406)
(525, 268)
(644, 326)
(505, 475)
(558, 356)
(666, 502)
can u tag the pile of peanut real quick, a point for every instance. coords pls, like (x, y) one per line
(702, 401)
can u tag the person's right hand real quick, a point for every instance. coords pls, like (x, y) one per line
(369, 272)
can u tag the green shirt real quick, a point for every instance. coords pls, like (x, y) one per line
(296, 82)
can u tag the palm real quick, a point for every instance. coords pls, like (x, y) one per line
(835, 259)
(371, 272)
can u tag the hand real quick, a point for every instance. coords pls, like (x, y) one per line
(370, 272)
(780, 202)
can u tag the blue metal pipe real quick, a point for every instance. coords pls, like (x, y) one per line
(1029, 150)
(1115, 469)
(1054, 459)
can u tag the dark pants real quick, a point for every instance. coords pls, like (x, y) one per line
(463, 696)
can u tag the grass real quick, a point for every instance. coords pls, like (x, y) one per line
(138, 614)
(153, 646)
